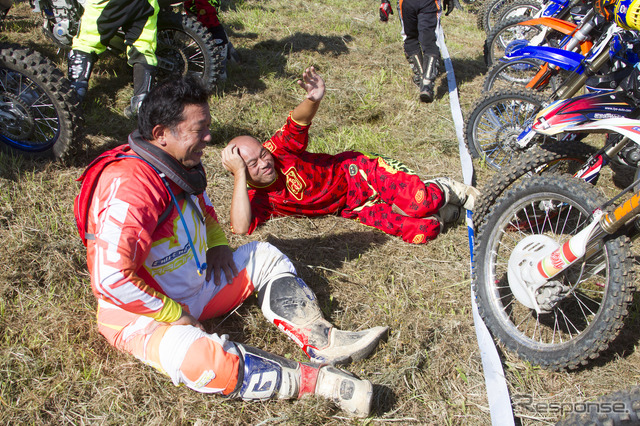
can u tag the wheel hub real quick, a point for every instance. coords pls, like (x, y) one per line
(16, 121)
(171, 59)
(549, 295)
(521, 272)
(507, 136)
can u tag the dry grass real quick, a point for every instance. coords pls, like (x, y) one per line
(55, 368)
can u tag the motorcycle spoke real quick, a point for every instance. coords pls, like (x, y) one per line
(184, 50)
(42, 122)
(497, 127)
(574, 313)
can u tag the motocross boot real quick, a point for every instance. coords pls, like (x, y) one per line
(415, 62)
(79, 66)
(143, 76)
(428, 81)
(456, 193)
(290, 304)
(263, 375)
(450, 213)
(5, 5)
(227, 51)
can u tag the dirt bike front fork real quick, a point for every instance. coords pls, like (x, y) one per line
(537, 259)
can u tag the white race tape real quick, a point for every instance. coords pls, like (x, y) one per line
(495, 382)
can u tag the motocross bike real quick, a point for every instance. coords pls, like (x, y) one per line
(184, 45)
(526, 63)
(602, 411)
(547, 27)
(38, 108)
(567, 154)
(499, 122)
(552, 265)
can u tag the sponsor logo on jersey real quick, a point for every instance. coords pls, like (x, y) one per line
(419, 196)
(295, 184)
(418, 239)
(270, 146)
(174, 255)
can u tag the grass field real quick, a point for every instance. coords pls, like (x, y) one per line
(56, 369)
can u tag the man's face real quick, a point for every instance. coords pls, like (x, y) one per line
(260, 163)
(186, 142)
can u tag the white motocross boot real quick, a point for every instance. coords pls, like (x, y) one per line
(456, 193)
(290, 304)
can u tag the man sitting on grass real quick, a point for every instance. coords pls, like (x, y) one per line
(280, 178)
(160, 263)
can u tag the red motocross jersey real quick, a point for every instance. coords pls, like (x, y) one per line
(308, 184)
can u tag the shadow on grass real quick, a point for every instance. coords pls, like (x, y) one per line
(329, 251)
(270, 57)
(465, 70)
(384, 400)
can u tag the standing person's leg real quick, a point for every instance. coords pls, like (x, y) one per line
(90, 42)
(409, 21)
(141, 40)
(428, 19)
(288, 302)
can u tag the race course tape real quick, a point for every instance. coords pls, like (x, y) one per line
(495, 382)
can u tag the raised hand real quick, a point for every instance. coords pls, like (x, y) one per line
(313, 84)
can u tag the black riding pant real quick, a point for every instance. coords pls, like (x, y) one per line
(419, 19)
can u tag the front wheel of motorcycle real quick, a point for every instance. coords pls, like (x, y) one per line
(506, 32)
(556, 157)
(185, 46)
(38, 108)
(489, 14)
(495, 122)
(580, 310)
(519, 73)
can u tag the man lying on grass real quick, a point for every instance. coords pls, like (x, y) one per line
(160, 263)
(284, 179)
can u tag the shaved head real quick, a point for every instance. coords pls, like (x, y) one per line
(259, 161)
(244, 140)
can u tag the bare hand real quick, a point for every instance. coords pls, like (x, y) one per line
(313, 84)
(232, 160)
(219, 259)
(188, 319)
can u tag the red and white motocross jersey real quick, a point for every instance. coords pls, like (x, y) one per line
(136, 263)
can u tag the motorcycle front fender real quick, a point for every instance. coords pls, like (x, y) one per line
(554, 23)
(562, 26)
(571, 61)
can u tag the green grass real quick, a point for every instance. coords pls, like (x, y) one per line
(56, 369)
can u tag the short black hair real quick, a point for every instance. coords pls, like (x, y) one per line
(166, 101)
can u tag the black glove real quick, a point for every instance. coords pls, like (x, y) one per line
(385, 10)
(448, 6)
